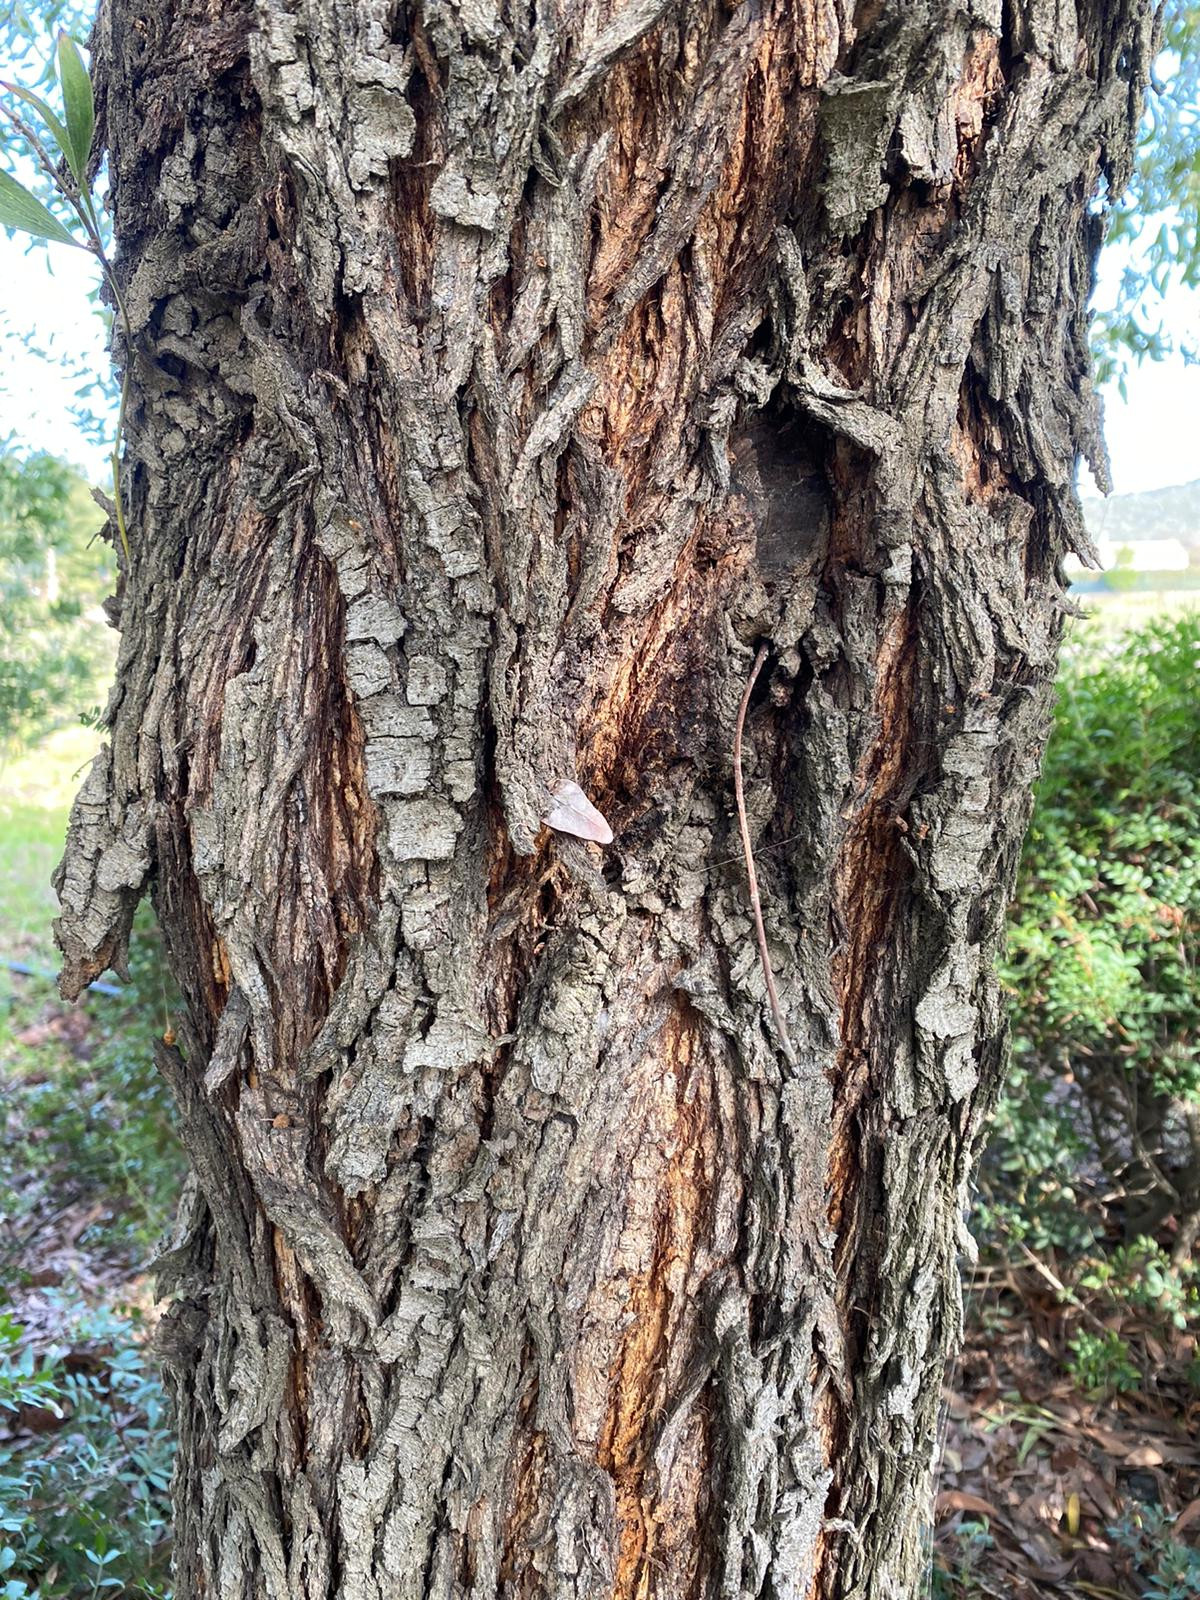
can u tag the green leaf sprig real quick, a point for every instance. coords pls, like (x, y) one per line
(72, 134)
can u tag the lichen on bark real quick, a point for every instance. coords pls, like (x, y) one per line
(504, 377)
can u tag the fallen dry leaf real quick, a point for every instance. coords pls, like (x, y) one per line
(958, 1500)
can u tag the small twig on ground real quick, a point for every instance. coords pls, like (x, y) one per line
(751, 875)
(1068, 1296)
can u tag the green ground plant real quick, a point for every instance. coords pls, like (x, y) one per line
(955, 1573)
(89, 1165)
(1101, 1364)
(85, 1438)
(1166, 1567)
(1094, 1158)
(84, 1490)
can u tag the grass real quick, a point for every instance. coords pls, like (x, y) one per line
(83, 1102)
(36, 790)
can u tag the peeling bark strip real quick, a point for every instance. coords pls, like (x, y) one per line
(506, 379)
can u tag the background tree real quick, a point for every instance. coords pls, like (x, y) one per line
(1156, 222)
(52, 570)
(503, 386)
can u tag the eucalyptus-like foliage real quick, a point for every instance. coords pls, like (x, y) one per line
(1158, 219)
(60, 148)
(70, 143)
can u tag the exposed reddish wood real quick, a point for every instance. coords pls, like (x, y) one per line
(652, 1277)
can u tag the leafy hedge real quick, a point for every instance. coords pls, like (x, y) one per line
(1097, 1138)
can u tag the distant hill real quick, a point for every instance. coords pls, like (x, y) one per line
(1172, 513)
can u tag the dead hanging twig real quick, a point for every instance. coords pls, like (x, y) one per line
(748, 853)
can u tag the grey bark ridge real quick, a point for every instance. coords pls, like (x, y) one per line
(501, 382)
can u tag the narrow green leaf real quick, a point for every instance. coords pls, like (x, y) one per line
(78, 105)
(43, 111)
(19, 209)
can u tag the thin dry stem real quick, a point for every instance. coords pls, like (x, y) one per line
(751, 875)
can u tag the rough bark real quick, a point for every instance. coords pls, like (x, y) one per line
(505, 376)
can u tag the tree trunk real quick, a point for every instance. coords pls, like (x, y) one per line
(505, 378)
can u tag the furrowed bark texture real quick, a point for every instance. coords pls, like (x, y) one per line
(505, 376)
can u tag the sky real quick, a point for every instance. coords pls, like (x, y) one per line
(1153, 432)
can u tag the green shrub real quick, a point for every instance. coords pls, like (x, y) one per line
(958, 1566)
(1101, 1364)
(1141, 1275)
(1167, 1569)
(1034, 1184)
(84, 1495)
(1102, 964)
(85, 1440)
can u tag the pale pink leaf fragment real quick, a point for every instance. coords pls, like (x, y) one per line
(572, 812)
